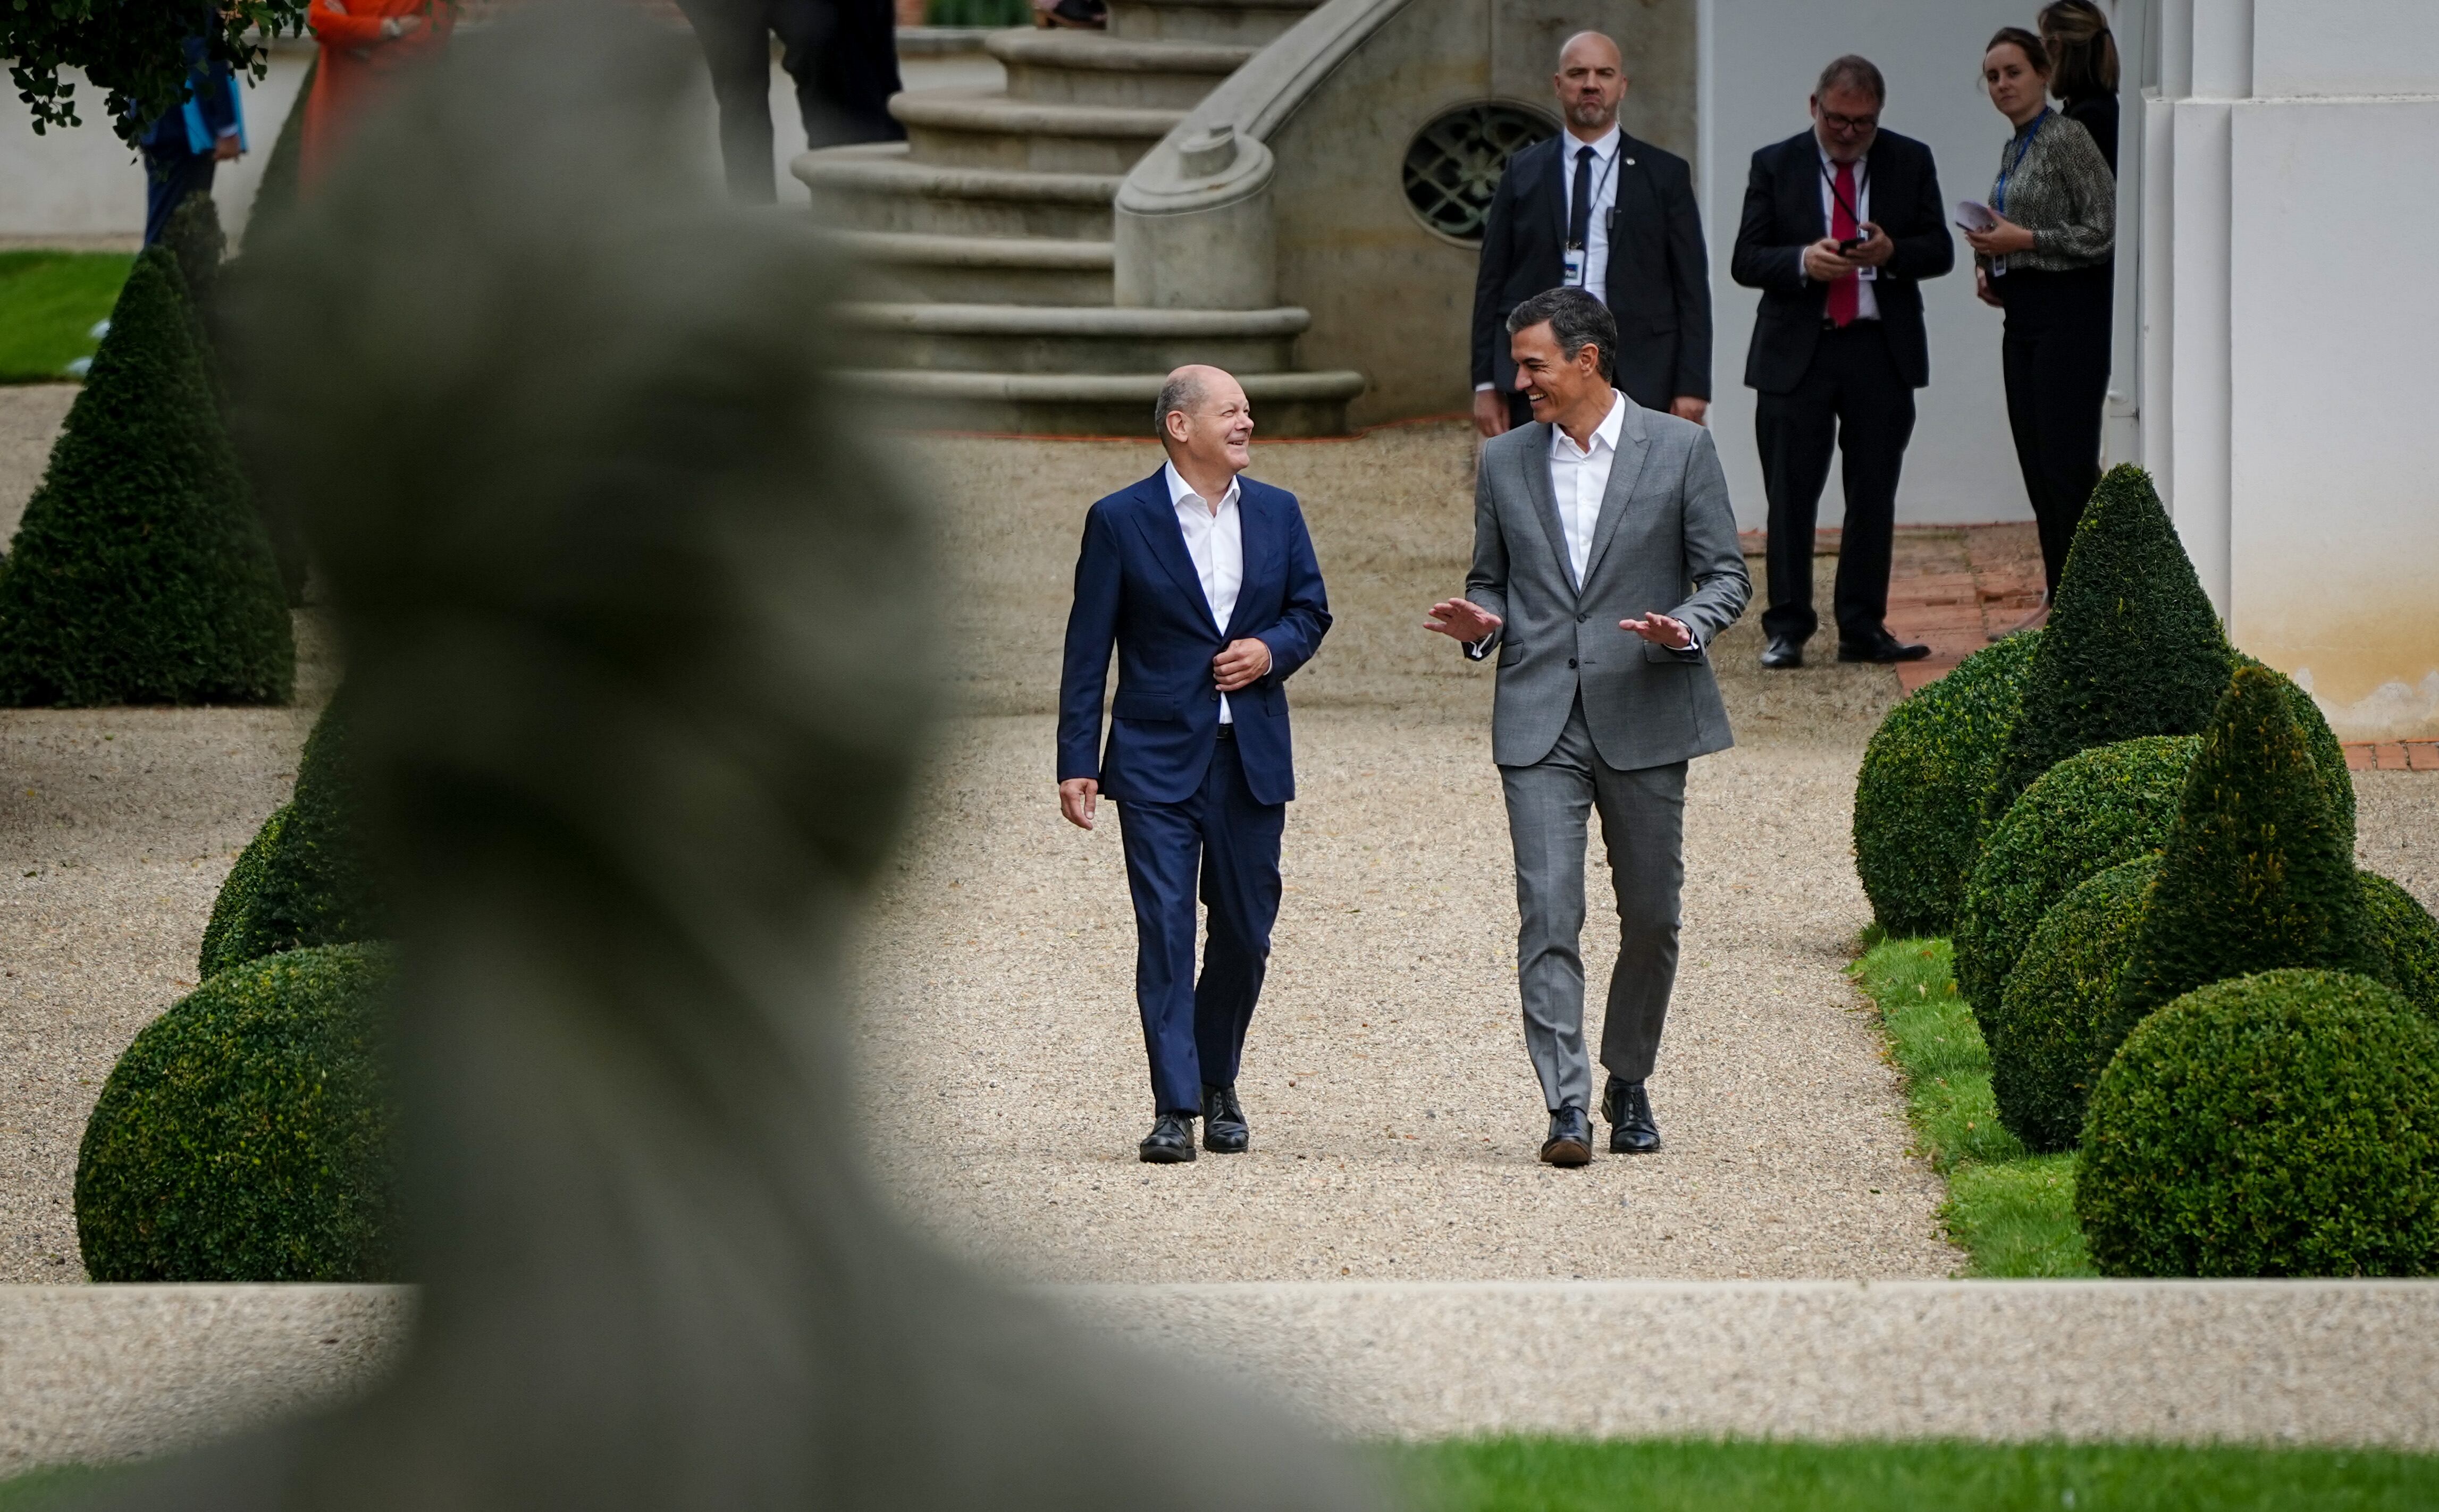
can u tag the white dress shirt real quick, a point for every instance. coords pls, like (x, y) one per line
(1580, 478)
(1867, 304)
(1215, 537)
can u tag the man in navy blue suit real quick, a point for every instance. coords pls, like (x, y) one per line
(1206, 585)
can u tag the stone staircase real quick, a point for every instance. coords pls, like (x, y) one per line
(988, 236)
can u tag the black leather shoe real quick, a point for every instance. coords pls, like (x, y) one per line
(1170, 1142)
(1224, 1122)
(1886, 648)
(1570, 1138)
(1628, 1107)
(1782, 653)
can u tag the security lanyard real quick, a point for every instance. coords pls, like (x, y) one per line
(2023, 145)
(1863, 190)
(1609, 222)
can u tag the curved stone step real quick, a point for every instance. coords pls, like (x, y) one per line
(964, 128)
(881, 188)
(1285, 405)
(984, 270)
(1074, 339)
(1239, 23)
(1092, 68)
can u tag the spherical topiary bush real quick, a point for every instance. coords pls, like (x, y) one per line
(2041, 1060)
(2403, 931)
(2093, 810)
(245, 1134)
(2284, 1124)
(1919, 798)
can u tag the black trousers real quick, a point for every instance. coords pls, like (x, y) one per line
(1852, 397)
(843, 55)
(2056, 354)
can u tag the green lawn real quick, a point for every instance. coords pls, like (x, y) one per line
(2012, 1212)
(1560, 1475)
(38, 1489)
(49, 302)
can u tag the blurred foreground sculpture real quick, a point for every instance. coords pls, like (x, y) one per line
(639, 625)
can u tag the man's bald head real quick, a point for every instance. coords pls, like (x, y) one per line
(1205, 421)
(1590, 81)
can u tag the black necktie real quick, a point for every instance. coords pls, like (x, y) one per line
(1579, 215)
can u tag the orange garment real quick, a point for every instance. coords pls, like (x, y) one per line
(358, 65)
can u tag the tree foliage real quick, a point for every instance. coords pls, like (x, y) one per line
(133, 51)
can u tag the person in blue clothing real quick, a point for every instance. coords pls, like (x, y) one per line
(191, 139)
(1205, 585)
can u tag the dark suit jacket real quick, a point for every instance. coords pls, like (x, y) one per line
(1658, 274)
(1783, 216)
(208, 87)
(1136, 589)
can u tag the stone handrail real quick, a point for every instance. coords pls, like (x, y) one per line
(1194, 226)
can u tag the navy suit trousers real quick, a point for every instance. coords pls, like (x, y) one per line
(1222, 839)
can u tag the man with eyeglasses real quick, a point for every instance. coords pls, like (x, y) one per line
(1841, 224)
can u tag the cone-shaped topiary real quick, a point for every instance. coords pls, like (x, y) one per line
(140, 573)
(2088, 814)
(246, 1134)
(1918, 797)
(303, 881)
(2041, 1064)
(2406, 936)
(2328, 757)
(2284, 1124)
(276, 192)
(194, 239)
(2132, 648)
(2258, 873)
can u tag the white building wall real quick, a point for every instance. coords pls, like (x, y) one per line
(1760, 60)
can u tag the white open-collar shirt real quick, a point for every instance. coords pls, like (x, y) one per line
(1579, 477)
(1215, 537)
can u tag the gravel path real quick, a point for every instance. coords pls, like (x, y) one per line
(1395, 1114)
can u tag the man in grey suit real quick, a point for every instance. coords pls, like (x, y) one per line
(1587, 523)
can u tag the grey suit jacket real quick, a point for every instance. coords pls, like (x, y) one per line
(1666, 540)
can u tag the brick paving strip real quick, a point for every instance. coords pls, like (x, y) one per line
(1950, 586)
(94, 1375)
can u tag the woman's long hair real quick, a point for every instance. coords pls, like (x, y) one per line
(2082, 52)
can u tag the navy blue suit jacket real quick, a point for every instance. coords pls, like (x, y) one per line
(1136, 589)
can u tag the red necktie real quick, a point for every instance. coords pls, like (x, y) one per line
(1845, 295)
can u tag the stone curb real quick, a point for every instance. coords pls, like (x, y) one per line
(95, 1374)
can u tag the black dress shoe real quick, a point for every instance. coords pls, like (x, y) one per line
(1886, 648)
(1170, 1142)
(1628, 1107)
(1224, 1122)
(1570, 1138)
(1784, 651)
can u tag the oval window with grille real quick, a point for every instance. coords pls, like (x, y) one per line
(1453, 165)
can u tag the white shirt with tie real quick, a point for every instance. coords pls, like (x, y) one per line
(1867, 303)
(1604, 172)
(1215, 537)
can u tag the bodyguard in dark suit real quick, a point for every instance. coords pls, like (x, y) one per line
(1597, 208)
(1837, 347)
(1206, 585)
(192, 138)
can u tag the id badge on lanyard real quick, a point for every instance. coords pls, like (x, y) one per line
(1572, 260)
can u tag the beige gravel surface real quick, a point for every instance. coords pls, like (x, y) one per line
(29, 421)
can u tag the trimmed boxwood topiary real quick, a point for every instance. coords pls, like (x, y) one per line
(140, 572)
(246, 1134)
(303, 881)
(2328, 757)
(1918, 797)
(2041, 1062)
(2092, 811)
(2406, 936)
(2258, 873)
(2133, 646)
(2284, 1124)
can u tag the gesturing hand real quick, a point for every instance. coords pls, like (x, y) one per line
(1078, 797)
(1240, 663)
(1462, 619)
(1661, 630)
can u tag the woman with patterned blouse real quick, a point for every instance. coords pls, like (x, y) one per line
(2047, 263)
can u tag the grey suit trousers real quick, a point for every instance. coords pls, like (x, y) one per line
(1642, 823)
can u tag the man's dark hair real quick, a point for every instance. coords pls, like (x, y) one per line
(1853, 71)
(1577, 320)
